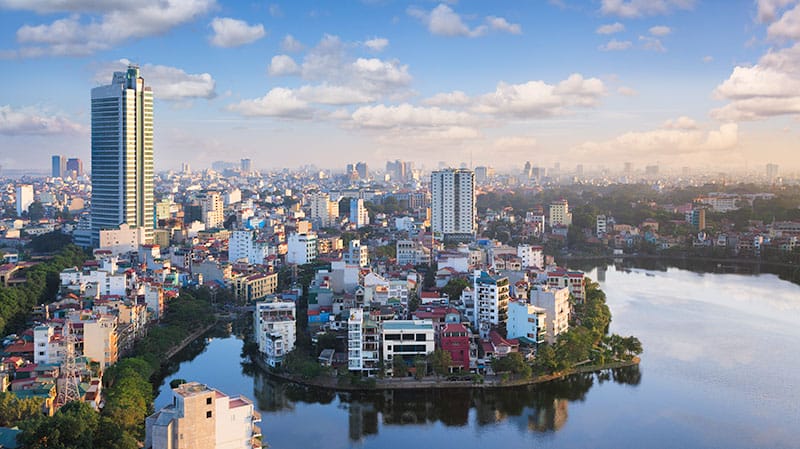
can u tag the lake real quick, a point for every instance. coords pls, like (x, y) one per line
(719, 371)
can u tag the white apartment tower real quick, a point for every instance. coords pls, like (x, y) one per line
(358, 213)
(122, 154)
(490, 301)
(323, 210)
(213, 210)
(453, 212)
(24, 198)
(560, 214)
(275, 329)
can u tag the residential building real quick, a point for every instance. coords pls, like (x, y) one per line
(696, 218)
(24, 198)
(201, 417)
(100, 340)
(410, 252)
(490, 301)
(454, 339)
(243, 246)
(301, 248)
(531, 256)
(246, 166)
(601, 226)
(560, 214)
(555, 302)
(254, 287)
(571, 279)
(526, 322)
(122, 240)
(407, 339)
(363, 343)
(213, 210)
(359, 215)
(453, 213)
(122, 154)
(323, 211)
(357, 254)
(275, 329)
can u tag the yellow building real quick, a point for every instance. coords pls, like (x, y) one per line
(253, 287)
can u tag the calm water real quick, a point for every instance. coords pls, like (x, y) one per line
(719, 371)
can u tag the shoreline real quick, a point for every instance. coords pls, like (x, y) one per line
(682, 258)
(408, 383)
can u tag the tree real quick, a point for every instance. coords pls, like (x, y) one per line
(73, 425)
(514, 363)
(454, 288)
(35, 211)
(14, 410)
(441, 361)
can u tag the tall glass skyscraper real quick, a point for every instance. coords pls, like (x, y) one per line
(122, 155)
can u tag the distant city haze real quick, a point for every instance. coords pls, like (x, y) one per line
(708, 85)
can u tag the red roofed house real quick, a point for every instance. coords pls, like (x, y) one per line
(454, 338)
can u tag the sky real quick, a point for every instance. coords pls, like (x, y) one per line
(713, 84)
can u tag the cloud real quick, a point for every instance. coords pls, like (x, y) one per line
(787, 27)
(283, 65)
(641, 8)
(708, 59)
(168, 83)
(118, 22)
(443, 21)
(682, 122)
(278, 102)
(377, 44)
(291, 45)
(610, 28)
(768, 9)
(615, 45)
(769, 88)
(32, 121)
(501, 24)
(627, 91)
(537, 99)
(455, 98)
(673, 140)
(234, 33)
(652, 44)
(408, 116)
(660, 30)
(515, 144)
(334, 95)
(275, 10)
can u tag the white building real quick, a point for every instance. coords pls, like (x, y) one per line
(121, 241)
(213, 210)
(407, 339)
(24, 198)
(573, 280)
(531, 256)
(48, 346)
(453, 211)
(526, 321)
(323, 210)
(410, 252)
(601, 226)
(243, 246)
(275, 329)
(301, 248)
(200, 417)
(358, 213)
(357, 254)
(363, 343)
(490, 301)
(122, 154)
(560, 214)
(555, 302)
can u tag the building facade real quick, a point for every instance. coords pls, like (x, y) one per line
(275, 330)
(453, 213)
(490, 301)
(122, 154)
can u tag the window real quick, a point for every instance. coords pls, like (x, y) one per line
(420, 337)
(208, 414)
(208, 401)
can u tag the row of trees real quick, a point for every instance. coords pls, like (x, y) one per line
(16, 302)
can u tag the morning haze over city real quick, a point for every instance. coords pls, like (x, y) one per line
(391, 224)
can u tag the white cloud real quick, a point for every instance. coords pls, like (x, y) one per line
(515, 144)
(283, 65)
(615, 45)
(408, 116)
(377, 44)
(455, 98)
(536, 99)
(278, 102)
(610, 28)
(708, 59)
(291, 45)
(501, 24)
(168, 83)
(787, 27)
(682, 122)
(641, 8)
(230, 32)
(275, 10)
(443, 21)
(627, 91)
(660, 30)
(665, 141)
(118, 22)
(769, 88)
(32, 121)
(334, 95)
(768, 9)
(652, 44)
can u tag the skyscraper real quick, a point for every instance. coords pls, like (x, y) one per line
(453, 213)
(74, 165)
(246, 166)
(122, 154)
(58, 166)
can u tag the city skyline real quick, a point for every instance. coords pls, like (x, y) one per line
(669, 82)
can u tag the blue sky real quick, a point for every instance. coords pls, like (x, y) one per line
(678, 82)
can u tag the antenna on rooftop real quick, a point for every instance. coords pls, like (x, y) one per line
(69, 370)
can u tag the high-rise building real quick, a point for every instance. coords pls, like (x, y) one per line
(560, 214)
(483, 174)
(74, 165)
(24, 198)
(490, 307)
(362, 170)
(772, 171)
(58, 166)
(453, 214)
(246, 166)
(358, 213)
(122, 154)
(213, 210)
(323, 211)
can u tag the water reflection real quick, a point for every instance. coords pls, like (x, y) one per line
(537, 408)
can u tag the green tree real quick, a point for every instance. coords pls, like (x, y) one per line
(72, 426)
(514, 363)
(14, 410)
(399, 367)
(441, 361)
(454, 288)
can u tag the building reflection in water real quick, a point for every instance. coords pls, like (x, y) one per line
(538, 408)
